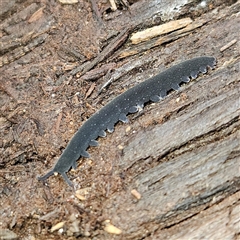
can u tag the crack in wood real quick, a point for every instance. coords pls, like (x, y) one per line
(21, 51)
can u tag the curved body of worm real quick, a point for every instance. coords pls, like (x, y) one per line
(153, 89)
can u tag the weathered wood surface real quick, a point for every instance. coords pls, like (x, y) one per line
(191, 163)
(184, 155)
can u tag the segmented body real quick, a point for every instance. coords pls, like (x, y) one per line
(153, 89)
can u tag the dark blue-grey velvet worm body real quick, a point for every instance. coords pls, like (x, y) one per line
(131, 101)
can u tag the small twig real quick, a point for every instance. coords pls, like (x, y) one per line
(123, 70)
(59, 118)
(96, 11)
(133, 50)
(109, 81)
(98, 72)
(125, 3)
(39, 126)
(113, 45)
(90, 90)
(155, 31)
(113, 5)
(228, 45)
(21, 51)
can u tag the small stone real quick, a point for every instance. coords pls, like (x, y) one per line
(128, 128)
(120, 147)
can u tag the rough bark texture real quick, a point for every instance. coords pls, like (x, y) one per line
(182, 154)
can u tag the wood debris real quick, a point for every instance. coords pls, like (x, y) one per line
(113, 5)
(57, 226)
(159, 30)
(120, 147)
(106, 52)
(90, 90)
(98, 72)
(68, 1)
(96, 11)
(21, 51)
(58, 122)
(111, 228)
(136, 194)
(82, 193)
(7, 234)
(80, 197)
(228, 45)
(161, 40)
(37, 15)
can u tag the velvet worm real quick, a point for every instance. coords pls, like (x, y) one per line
(151, 90)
